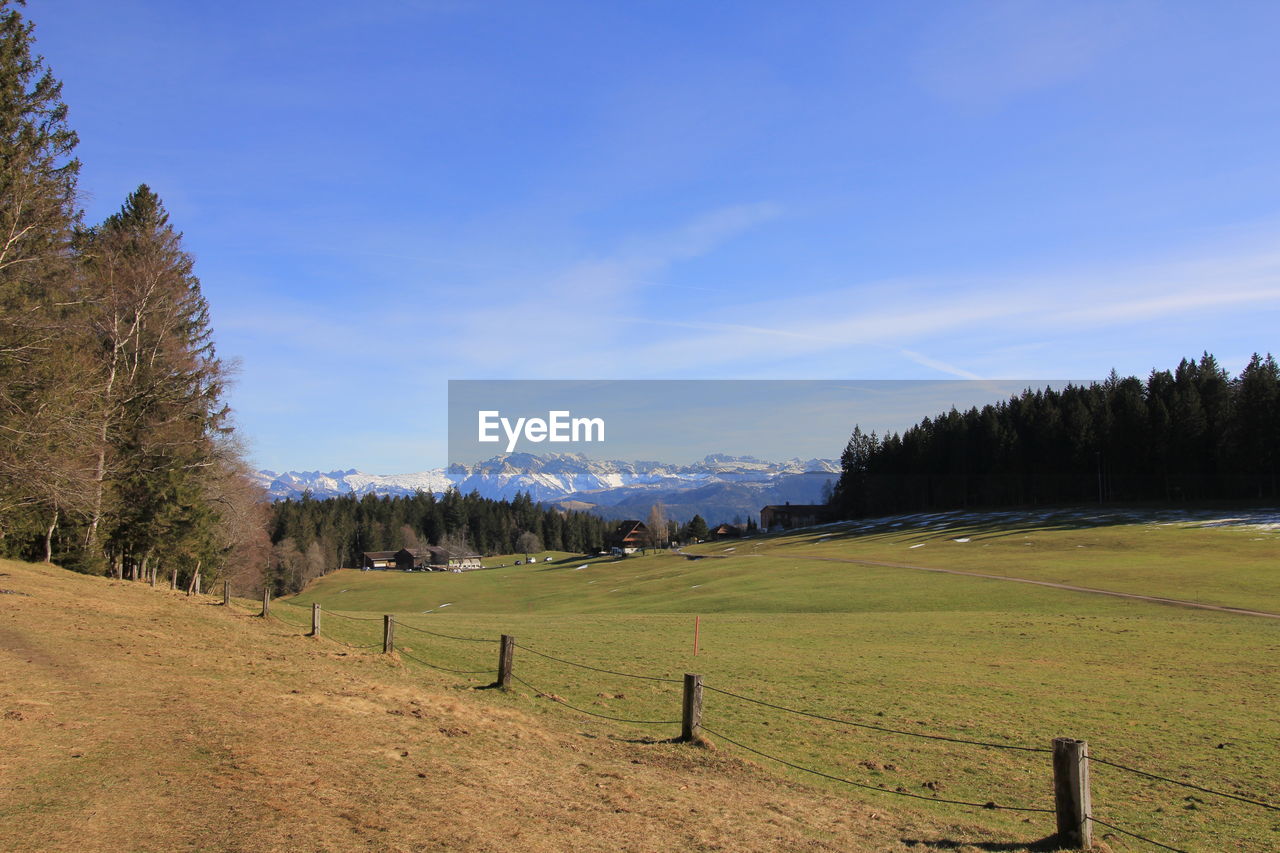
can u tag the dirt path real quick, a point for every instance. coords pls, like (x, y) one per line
(1177, 602)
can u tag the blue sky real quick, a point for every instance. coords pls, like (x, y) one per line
(679, 422)
(387, 195)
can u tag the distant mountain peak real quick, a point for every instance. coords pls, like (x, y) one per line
(719, 484)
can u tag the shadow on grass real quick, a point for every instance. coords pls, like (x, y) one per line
(645, 741)
(1050, 843)
(1000, 522)
(569, 564)
(992, 525)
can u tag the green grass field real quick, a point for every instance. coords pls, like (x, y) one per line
(1231, 565)
(540, 557)
(1182, 693)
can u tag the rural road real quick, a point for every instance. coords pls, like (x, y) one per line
(1177, 602)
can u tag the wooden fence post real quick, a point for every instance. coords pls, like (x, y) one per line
(173, 579)
(388, 634)
(1071, 800)
(691, 717)
(226, 593)
(266, 600)
(506, 654)
(315, 619)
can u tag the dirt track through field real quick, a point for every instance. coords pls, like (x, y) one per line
(1177, 602)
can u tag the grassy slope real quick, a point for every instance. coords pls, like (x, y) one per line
(137, 719)
(510, 559)
(1230, 565)
(1153, 686)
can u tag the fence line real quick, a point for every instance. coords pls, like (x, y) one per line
(445, 668)
(360, 647)
(446, 636)
(598, 669)
(1077, 833)
(279, 618)
(1136, 835)
(353, 618)
(987, 805)
(878, 728)
(557, 699)
(1190, 785)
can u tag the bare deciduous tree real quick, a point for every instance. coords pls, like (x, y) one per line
(528, 543)
(656, 526)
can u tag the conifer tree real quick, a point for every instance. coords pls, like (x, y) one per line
(41, 384)
(161, 412)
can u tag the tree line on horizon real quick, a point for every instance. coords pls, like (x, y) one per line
(117, 453)
(310, 537)
(1186, 435)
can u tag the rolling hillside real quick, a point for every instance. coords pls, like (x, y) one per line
(140, 719)
(847, 623)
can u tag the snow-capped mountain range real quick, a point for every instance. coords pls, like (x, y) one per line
(719, 487)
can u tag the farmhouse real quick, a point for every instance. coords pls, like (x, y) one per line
(408, 559)
(788, 515)
(442, 559)
(379, 560)
(629, 536)
(430, 558)
(726, 531)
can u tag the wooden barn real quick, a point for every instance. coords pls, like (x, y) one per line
(787, 516)
(409, 559)
(379, 559)
(429, 558)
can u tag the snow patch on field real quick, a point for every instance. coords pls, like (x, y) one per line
(962, 521)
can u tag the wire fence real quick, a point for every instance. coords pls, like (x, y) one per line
(561, 701)
(1189, 785)
(352, 618)
(989, 804)
(597, 668)
(505, 674)
(874, 727)
(445, 668)
(1150, 841)
(446, 636)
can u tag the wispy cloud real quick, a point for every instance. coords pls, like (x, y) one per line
(982, 54)
(940, 366)
(932, 314)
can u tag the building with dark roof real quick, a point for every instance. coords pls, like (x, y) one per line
(630, 536)
(787, 516)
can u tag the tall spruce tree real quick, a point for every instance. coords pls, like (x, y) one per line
(42, 385)
(161, 411)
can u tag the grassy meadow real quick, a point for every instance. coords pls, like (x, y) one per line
(143, 719)
(1182, 693)
(1216, 558)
